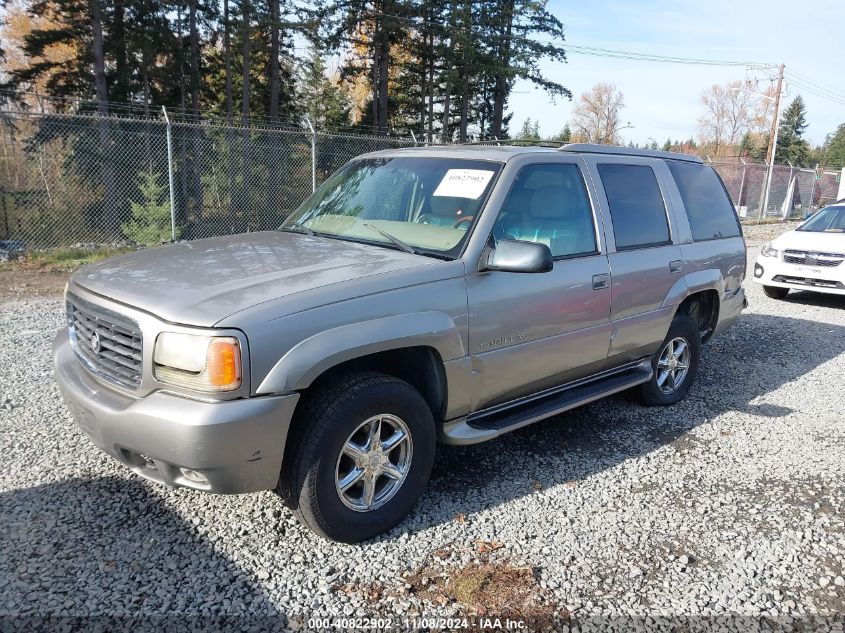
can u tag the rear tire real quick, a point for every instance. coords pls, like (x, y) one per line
(672, 379)
(340, 436)
(775, 292)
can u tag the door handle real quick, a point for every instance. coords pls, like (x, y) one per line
(600, 282)
(675, 266)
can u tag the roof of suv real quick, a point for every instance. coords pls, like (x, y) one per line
(506, 152)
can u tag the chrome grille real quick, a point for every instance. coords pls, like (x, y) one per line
(108, 343)
(812, 258)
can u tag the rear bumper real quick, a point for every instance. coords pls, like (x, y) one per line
(730, 309)
(771, 271)
(234, 446)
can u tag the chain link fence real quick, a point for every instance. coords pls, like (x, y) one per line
(794, 192)
(83, 181)
(86, 181)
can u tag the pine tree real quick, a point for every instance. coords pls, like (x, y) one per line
(792, 147)
(321, 97)
(833, 150)
(516, 52)
(71, 77)
(530, 130)
(150, 224)
(564, 136)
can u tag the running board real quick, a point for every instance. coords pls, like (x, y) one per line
(497, 421)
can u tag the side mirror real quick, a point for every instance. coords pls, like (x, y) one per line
(515, 256)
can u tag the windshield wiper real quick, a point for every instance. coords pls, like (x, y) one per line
(298, 228)
(405, 247)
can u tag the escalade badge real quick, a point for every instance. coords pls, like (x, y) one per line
(95, 343)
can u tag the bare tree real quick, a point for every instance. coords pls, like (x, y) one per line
(762, 111)
(596, 117)
(729, 111)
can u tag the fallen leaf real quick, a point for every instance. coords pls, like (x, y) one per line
(460, 518)
(488, 546)
(536, 485)
(570, 484)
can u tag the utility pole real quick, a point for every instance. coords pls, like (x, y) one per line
(773, 142)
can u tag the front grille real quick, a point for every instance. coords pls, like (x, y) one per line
(812, 258)
(108, 343)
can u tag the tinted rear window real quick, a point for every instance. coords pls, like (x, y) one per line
(636, 206)
(710, 212)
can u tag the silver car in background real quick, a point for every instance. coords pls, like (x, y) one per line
(450, 294)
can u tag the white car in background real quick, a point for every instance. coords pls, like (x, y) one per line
(808, 258)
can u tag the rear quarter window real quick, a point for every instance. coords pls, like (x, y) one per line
(709, 210)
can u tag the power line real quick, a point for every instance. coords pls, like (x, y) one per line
(650, 57)
(813, 83)
(819, 92)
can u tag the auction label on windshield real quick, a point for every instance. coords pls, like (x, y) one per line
(463, 183)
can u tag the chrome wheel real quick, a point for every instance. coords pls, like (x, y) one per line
(673, 365)
(373, 463)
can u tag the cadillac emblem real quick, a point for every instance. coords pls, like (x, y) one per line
(95, 343)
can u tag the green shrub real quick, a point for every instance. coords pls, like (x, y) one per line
(150, 223)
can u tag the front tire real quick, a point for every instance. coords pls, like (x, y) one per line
(675, 365)
(360, 456)
(775, 292)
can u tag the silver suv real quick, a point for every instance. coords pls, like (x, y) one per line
(419, 295)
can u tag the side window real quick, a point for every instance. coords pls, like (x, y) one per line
(636, 206)
(548, 204)
(710, 212)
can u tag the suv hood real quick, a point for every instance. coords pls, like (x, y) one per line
(202, 282)
(811, 241)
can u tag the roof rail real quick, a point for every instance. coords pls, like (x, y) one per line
(519, 142)
(594, 148)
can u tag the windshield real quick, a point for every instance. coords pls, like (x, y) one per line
(828, 220)
(422, 204)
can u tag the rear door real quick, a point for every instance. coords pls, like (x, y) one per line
(715, 240)
(645, 258)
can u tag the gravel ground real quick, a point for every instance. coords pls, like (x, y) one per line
(728, 504)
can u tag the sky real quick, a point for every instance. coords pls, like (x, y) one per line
(664, 100)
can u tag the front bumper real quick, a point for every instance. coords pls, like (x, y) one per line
(224, 447)
(772, 271)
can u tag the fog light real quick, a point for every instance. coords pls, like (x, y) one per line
(758, 270)
(193, 476)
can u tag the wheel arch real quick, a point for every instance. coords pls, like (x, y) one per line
(420, 366)
(412, 347)
(698, 294)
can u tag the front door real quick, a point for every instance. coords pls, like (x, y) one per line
(529, 332)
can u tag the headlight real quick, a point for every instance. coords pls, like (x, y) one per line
(202, 363)
(768, 251)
